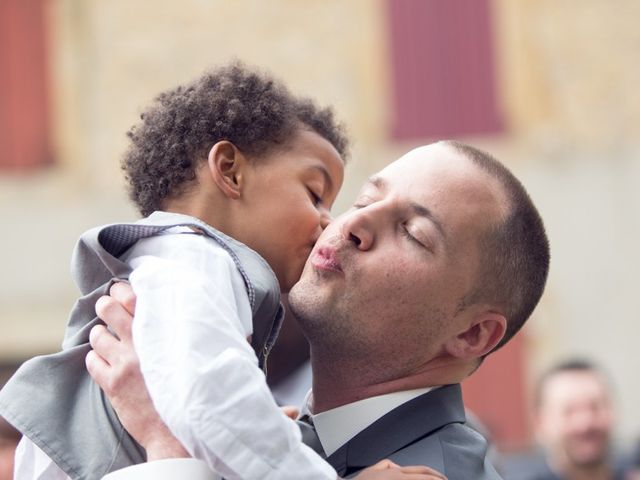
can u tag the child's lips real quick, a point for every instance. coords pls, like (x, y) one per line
(326, 258)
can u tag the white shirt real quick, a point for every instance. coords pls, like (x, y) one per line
(335, 427)
(190, 333)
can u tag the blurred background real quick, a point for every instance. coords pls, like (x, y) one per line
(548, 87)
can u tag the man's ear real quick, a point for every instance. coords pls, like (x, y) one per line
(226, 164)
(484, 333)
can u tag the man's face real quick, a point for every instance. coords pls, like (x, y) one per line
(385, 279)
(575, 419)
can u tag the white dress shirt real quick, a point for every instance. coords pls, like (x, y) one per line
(190, 332)
(335, 427)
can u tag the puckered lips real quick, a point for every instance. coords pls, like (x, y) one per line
(326, 259)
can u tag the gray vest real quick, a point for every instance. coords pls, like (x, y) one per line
(53, 401)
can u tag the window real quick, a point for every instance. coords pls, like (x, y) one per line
(23, 91)
(443, 68)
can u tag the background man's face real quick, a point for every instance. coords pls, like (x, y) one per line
(575, 418)
(385, 279)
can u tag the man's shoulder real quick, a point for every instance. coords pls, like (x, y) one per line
(456, 450)
(466, 450)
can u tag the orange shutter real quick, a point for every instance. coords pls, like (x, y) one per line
(443, 68)
(23, 86)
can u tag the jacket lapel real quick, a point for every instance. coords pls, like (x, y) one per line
(399, 428)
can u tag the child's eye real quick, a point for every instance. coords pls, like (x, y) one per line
(315, 197)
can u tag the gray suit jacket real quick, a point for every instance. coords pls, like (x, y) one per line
(428, 430)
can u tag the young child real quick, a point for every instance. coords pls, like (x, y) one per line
(229, 171)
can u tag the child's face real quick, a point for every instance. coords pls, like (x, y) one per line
(287, 197)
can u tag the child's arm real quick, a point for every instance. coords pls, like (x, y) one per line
(202, 373)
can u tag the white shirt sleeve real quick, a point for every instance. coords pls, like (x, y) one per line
(190, 332)
(168, 469)
(31, 463)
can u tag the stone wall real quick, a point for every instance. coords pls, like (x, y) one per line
(568, 74)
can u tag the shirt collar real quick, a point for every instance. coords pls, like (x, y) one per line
(337, 426)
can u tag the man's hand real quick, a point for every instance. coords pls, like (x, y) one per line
(113, 365)
(387, 470)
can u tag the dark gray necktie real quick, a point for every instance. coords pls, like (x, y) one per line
(309, 435)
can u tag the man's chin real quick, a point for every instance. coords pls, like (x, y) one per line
(310, 279)
(301, 284)
(301, 294)
(310, 298)
(589, 457)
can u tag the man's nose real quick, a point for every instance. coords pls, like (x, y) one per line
(358, 228)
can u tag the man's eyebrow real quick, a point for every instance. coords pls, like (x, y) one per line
(378, 182)
(420, 210)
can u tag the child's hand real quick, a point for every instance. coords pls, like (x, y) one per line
(387, 470)
(290, 411)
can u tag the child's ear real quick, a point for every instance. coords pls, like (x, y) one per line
(484, 333)
(225, 163)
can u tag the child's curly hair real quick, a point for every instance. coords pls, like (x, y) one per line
(250, 109)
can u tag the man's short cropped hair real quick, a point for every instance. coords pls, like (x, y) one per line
(249, 108)
(514, 261)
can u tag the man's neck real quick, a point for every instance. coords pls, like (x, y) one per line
(340, 382)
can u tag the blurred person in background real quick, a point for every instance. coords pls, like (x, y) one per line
(573, 421)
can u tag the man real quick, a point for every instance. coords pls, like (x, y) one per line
(574, 422)
(441, 260)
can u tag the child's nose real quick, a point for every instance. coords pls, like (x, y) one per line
(325, 218)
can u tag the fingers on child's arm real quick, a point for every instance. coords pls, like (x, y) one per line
(123, 294)
(98, 369)
(111, 312)
(104, 343)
